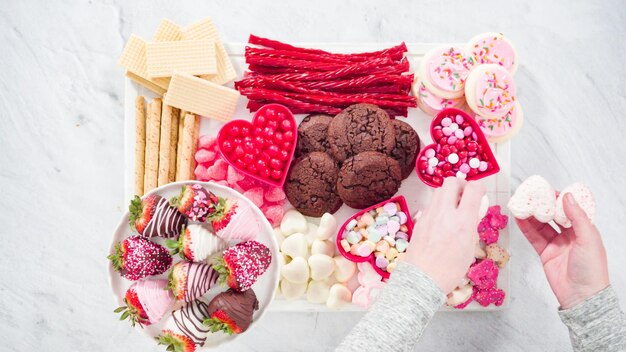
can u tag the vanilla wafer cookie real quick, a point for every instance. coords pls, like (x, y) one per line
(164, 145)
(167, 31)
(133, 59)
(140, 143)
(153, 126)
(195, 57)
(201, 97)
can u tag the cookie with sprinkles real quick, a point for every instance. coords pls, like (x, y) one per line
(241, 265)
(498, 130)
(490, 91)
(135, 258)
(431, 103)
(444, 70)
(195, 202)
(492, 48)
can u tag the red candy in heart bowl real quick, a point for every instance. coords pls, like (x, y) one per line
(263, 148)
(379, 235)
(459, 149)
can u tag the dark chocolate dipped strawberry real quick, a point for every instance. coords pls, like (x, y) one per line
(189, 281)
(241, 265)
(146, 301)
(136, 258)
(231, 311)
(153, 216)
(195, 202)
(184, 331)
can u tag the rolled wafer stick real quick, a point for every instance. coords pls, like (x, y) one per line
(194, 146)
(153, 126)
(173, 144)
(179, 147)
(164, 145)
(185, 163)
(140, 143)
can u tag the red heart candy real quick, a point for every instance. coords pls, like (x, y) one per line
(448, 148)
(371, 258)
(243, 143)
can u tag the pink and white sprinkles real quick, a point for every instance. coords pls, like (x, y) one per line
(201, 205)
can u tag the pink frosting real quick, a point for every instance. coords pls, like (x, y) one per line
(433, 104)
(497, 127)
(448, 68)
(492, 48)
(155, 298)
(243, 225)
(495, 92)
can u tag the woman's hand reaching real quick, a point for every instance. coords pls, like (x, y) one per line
(574, 260)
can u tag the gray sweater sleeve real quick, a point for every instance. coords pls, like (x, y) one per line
(397, 319)
(597, 324)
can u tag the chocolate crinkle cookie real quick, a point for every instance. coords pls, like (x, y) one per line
(368, 178)
(360, 128)
(313, 134)
(407, 147)
(311, 184)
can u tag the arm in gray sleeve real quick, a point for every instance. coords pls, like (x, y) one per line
(597, 324)
(400, 314)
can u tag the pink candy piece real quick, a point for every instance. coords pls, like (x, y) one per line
(482, 166)
(429, 153)
(459, 134)
(274, 194)
(452, 140)
(233, 176)
(485, 297)
(204, 156)
(274, 214)
(207, 142)
(497, 220)
(468, 131)
(446, 131)
(464, 168)
(200, 172)
(484, 274)
(217, 172)
(489, 235)
(255, 195)
(459, 119)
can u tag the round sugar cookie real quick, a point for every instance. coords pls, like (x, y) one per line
(492, 48)
(444, 70)
(432, 104)
(498, 130)
(490, 91)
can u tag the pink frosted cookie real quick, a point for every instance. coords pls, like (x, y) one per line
(443, 71)
(431, 103)
(583, 197)
(490, 91)
(492, 48)
(534, 197)
(485, 297)
(501, 129)
(491, 223)
(484, 274)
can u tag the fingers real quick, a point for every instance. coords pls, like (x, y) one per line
(582, 226)
(539, 234)
(451, 190)
(472, 196)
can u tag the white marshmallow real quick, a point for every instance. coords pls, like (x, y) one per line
(459, 295)
(296, 271)
(317, 292)
(310, 233)
(295, 246)
(322, 266)
(292, 290)
(327, 228)
(583, 196)
(344, 268)
(323, 247)
(293, 222)
(338, 296)
(534, 197)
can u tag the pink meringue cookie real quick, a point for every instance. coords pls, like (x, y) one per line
(155, 298)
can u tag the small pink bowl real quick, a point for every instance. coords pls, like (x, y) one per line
(371, 258)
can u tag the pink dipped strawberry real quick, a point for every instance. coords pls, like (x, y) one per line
(242, 264)
(146, 302)
(184, 331)
(234, 220)
(153, 216)
(195, 202)
(196, 243)
(231, 311)
(136, 258)
(189, 281)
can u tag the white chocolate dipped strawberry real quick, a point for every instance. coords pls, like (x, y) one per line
(146, 301)
(184, 331)
(234, 220)
(196, 243)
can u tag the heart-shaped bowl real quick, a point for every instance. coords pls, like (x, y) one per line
(436, 157)
(269, 139)
(372, 258)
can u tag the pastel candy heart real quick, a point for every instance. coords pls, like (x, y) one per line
(583, 196)
(534, 197)
(338, 296)
(293, 222)
(373, 235)
(382, 262)
(382, 246)
(393, 227)
(322, 266)
(402, 245)
(365, 249)
(317, 292)
(296, 271)
(344, 269)
(328, 225)
(390, 209)
(291, 290)
(295, 246)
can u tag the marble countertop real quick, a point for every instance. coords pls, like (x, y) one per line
(61, 145)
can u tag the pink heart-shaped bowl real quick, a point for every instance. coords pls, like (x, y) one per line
(263, 148)
(343, 231)
(465, 154)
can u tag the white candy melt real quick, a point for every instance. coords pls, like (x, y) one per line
(322, 266)
(338, 296)
(534, 197)
(328, 226)
(583, 196)
(323, 247)
(344, 268)
(295, 246)
(310, 233)
(291, 290)
(317, 292)
(293, 222)
(296, 271)
(459, 295)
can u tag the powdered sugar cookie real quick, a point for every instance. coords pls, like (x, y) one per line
(492, 48)
(490, 91)
(444, 70)
(431, 103)
(534, 197)
(583, 197)
(501, 129)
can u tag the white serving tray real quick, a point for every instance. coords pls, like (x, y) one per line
(416, 193)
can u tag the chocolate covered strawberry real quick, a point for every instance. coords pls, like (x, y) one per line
(153, 216)
(184, 331)
(195, 202)
(196, 243)
(234, 220)
(242, 264)
(146, 301)
(189, 281)
(136, 258)
(231, 311)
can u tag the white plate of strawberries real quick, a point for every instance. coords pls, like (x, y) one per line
(193, 265)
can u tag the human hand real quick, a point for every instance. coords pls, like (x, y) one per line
(445, 236)
(574, 260)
